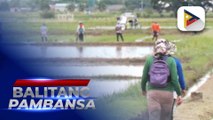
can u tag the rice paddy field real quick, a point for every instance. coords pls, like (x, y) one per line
(194, 49)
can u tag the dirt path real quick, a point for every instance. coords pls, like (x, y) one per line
(198, 109)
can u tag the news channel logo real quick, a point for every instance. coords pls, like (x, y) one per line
(191, 18)
(51, 94)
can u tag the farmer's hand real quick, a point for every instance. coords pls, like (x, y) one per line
(179, 100)
(183, 93)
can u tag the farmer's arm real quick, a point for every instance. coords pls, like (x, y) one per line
(174, 77)
(145, 75)
(84, 28)
(180, 75)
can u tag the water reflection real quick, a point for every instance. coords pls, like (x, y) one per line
(119, 51)
(89, 71)
(83, 52)
(80, 51)
(43, 50)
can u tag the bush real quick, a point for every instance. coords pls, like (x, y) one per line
(147, 13)
(47, 14)
(139, 15)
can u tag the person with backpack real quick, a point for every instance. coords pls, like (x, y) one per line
(118, 29)
(171, 49)
(159, 80)
(80, 32)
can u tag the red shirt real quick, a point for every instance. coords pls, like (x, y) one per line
(155, 27)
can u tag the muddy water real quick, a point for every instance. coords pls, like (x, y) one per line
(90, 71)
(105, 79)
(83, 52)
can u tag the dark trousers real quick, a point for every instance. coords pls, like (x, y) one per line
(81, 37)
(155, 35)
(119, 35)
(44, 39)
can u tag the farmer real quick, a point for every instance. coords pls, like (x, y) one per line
(80, 32)
(155, 30)
(160, 94)
(118, 29)
(171, 49)
(135, 23)
(44, 30)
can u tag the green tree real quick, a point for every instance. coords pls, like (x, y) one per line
(32, 4)
(47, 14)
(206, 4)
(112, 2)
(133, 4)
(71, 7)
(173, 5)
(82, 7)
(101, 6)
(42, 4)
(158, 6)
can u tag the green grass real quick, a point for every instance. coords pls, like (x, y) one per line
(196, 55)
(121, 106)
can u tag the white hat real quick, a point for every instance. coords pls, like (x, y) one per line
(160, 48)
(158, 41)
(171, 48)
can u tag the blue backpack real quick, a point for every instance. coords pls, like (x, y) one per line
(159, 73)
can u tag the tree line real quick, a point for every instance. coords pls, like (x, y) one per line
(129, 5)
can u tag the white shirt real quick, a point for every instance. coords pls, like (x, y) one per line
(120, 28)
(43, 30)
(79, 28)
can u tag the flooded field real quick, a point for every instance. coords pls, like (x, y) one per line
(101, 64)
(83, 52)
(90, 71)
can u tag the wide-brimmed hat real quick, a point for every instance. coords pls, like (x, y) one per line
(171, 48)
(158, 41)
(160, 48)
